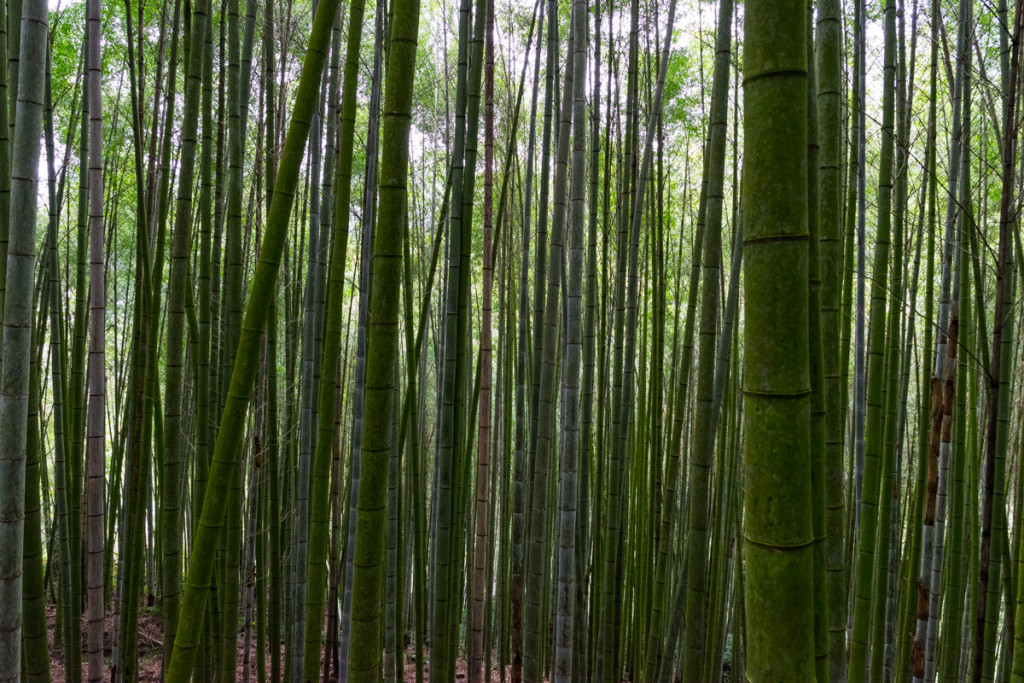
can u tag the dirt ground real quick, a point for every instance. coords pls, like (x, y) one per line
(151, 647)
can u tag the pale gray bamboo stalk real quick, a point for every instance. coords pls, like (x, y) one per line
(95, 428)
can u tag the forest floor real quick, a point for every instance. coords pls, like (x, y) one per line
(151, 648)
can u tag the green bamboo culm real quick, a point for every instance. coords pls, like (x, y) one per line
(778, 534)
(1000, 395)
(76, 405)
(699, 513)
(244, 371)
(1008, 218)
(318, 532)
(175, 447)
(69, 618)
(877, 461)
(453, 369)
(568, 487)
(382, 344)
(37, 655)
(17, 330)
(829, 100)
(5, 159)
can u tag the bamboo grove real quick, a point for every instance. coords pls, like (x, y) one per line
(569, 340)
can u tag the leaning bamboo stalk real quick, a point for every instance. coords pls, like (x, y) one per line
(228, 445)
